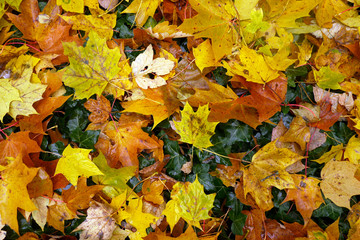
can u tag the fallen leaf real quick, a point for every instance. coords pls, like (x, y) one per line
(142, 16)
(99, 108)
(298, 132)
(252, 66)
(267, 169)
(114, 180)
(204, 55)
(80, 197)
(75, 162)
(92, 67)
(99, 223)
(338, 182)
(194, 127)
(99, 21)
(121, 143)
(326, 78)
(189, 202)
(213, 21)
(152, 190)
(13, 182)
(21, 81)
(144, 65)
(306, 195)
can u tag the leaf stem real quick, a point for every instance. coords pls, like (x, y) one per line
(237, 159)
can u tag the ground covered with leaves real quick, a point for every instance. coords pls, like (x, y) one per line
(179, 119)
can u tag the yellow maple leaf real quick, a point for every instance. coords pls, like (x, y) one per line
(7, 94)
(335, 154)
(71, 5)
(99, 21)
(204, 55)
(163, 30)
(157, 102)
(298, 132)
(252, 66)
(285, 12)
(143, 9)
(352, 150)
(75, 162)
(268, 168)
(338, 182)
(189, 202)
(25, 82)
(92, 68)
(356, 114)
(137, 218)
(214, 21)
(304, 54)
(13, 191)
(194, 127)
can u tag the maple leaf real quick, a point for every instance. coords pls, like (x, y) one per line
(158, 102)
(21, 81)
(18, 143)
(286, 12)
(257, 22)
(58, 212)
(189, 202)
(144, 64)
(44, 107)
(307, 195)
(214, 21)
(143, 9)
(114, 180)
(12, 94)
(204, 55)
(252, 66)
(352, 150)
(40, 215)
(338, 182)
(99, 108)
(335, 154)
(48, 34)
(92, 68)
(79, 197)
(121, 143)
(137, 218)
(353, 219)
(268, 168)
(326, 78)
(99, 21)
(14, 194)
(266, 99)
(152, 191)
(75, 162)
(304, 54)
(72, 5)
(163, 30)
(98, 223)
(298, 132)
(194, 127)
(256, 223)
